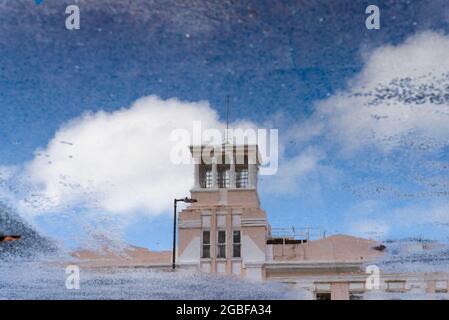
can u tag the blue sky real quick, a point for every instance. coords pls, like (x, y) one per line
(283, 60)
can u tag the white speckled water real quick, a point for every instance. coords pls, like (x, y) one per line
(45, 279)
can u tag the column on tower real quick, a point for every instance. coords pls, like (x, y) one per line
(232, 180)
(214, 173)
(252, 170)
(196, 157)
(196, 174)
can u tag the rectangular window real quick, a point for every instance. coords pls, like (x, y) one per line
(208, 179)
(236, 244)
(441, 286)
(395, 286)
(206, 244)
(223, 179)
(242, 178)
(323, 287)
(323, 296)
(205, 176)
(221, 244)
(356, 287)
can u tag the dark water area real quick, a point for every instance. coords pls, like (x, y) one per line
(31, 243)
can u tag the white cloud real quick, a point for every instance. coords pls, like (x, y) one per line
(417, 56)
(6, 172)
(399, 98)
(120, 161)
(295, 173)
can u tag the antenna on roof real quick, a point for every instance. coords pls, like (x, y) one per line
(227, 118)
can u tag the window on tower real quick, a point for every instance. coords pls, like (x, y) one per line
(223, 177)
(221, 244)
(236, 244)
(206, 245)
(209, 179)
(206, 180)
(241, 176)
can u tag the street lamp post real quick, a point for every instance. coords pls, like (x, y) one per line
(175, 203)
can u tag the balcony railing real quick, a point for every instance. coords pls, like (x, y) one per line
(294, 234)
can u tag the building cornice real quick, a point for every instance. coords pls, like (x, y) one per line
(312, 264)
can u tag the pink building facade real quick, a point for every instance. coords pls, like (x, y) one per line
(227, 232)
